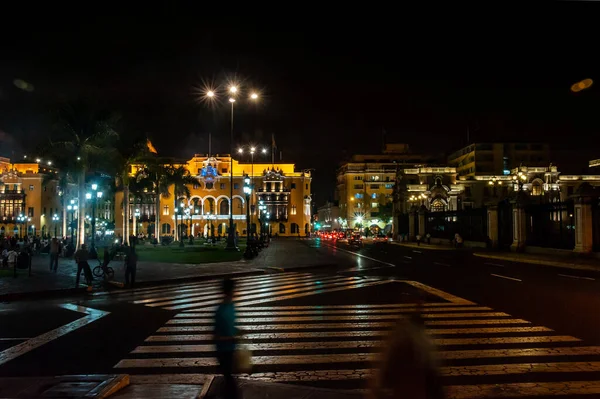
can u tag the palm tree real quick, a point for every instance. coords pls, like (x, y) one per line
(86, 144)
(123, 180)
(63, 178)
(180, 178)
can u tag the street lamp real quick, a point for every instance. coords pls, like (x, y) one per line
(519, 180)
(21, 220)
(95, 196)
(71, 209)
(189, 216)
(233, 90)
(55, 219)
(247, 192)
(251, 150)
(494, 181)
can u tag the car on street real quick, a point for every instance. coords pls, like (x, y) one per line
(355, 241)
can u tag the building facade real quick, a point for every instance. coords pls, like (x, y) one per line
(28, 199)
(497, 158)
(285, 192)
(328, 217)
(365, 185)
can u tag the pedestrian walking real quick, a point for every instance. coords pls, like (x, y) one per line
(11, 258)
(130, 267)
(81, 258)
(54, 250)
(418, 239)
(225, 335)
(428, 237)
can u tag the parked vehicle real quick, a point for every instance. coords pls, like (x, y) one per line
(355, 241)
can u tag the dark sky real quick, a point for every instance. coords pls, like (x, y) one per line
(331, 84)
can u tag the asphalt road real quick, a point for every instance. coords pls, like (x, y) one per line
(502, 329)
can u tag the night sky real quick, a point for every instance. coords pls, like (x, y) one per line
(331, 85)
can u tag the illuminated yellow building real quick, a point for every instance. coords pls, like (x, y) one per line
(285, 192)
(367, 181)
(23, 192)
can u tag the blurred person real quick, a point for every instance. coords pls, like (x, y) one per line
(225, 335)
(130, 267)
(54, 250)
(408, 365)
(81, 258)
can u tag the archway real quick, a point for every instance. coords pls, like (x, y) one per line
(238, 206)
(281, 228)
(306, 228)
(295, 228)
(209, 206)
(438, 205)
(224, 207)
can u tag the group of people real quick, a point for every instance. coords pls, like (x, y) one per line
(82, 256)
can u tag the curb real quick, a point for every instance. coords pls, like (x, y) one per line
(78, 291)
(542, 262)
(206, 387)
(119, 382)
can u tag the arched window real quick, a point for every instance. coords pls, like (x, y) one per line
(536, 187)
(295, 228)
(224, 207)
(438, 206)
(281, 228)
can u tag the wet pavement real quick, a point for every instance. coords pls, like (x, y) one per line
(529, 332)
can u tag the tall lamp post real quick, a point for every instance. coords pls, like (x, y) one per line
(251, 150)
(233, 91)
(95, 195)
(55, 219)
(71, 208)
(21, 220)
(247, 192)
(179, 232)
(494, 181)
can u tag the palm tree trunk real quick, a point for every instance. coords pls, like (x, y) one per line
(81, 210)
(126, 213)
(64, 213)
(157, 217)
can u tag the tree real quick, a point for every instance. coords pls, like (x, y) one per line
(86, 135)
(63, 178)
(180, 178)
(386, 209)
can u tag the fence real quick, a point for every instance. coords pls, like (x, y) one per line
(551, 225)
(471, 224)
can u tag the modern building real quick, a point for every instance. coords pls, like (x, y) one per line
(285, 192)
(328, 217)
(367, 181)
(498, 158)
(29, 199)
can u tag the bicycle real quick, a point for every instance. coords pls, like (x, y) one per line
(99, 271)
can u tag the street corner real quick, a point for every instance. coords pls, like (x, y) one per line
(24, 321)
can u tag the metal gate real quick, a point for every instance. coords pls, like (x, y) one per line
(471, 224)
(505, 224)
(551, 225)
(596, 225)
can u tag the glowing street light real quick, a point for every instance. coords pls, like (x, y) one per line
(233, 89)
(231, 100)
(254, 96)
(210, 93)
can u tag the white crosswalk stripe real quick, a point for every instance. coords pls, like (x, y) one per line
(485, 353)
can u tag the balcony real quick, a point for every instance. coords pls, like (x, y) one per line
(284, 190)
(12, 194)
(9, 219)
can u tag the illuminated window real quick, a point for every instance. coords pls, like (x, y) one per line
(358, 195)
(293, 211)
(374, 204)
(438, 206)
(536, 188)
(166, 210)
(31, 187)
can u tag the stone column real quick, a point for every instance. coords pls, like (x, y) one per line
(422, 213)
(492, 225)
(583, 225)
(519, 228)
(411, 225)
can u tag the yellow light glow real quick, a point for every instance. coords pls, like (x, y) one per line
(233, 89)
(254, 96)
(232, 100)
(210, 93)
(241, 150)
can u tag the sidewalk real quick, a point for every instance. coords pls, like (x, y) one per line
(67, 386)
(567, 262)
(434, 247)
(282, 254)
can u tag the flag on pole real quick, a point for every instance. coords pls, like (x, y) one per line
(150, 147)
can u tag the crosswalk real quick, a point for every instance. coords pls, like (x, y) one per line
(483, 352)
